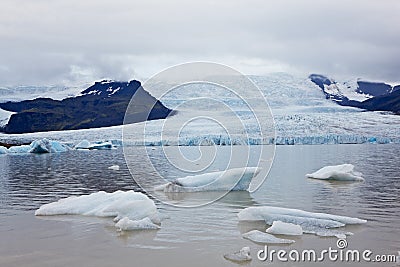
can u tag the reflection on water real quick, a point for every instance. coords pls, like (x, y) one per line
(28, 181)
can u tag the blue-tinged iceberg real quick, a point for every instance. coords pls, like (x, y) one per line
(237, 179)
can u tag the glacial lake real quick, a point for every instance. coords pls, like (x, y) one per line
(197, 236)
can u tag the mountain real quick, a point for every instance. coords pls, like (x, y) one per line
(387, 102)
(372, 96)
(102, 104)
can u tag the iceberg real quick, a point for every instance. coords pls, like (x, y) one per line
(282, 228)
(295, 216)
(3, 150)
(344, 172)
(240, 256)
(265, 238)
(318, 231)
(19, 149)
(237, 179)
(126, 224)
(129, 206)
(47, 146)
(84, 144)
(114, 167)
(95, 146)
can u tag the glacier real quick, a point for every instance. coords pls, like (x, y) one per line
(301, 115)
(344, 172)
(237, 179)
(129, 206)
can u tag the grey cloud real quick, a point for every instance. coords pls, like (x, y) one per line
(46, 41)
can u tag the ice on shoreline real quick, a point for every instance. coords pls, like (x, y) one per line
(265, 238)
(282, 228)
(237, 179)
(344, 172)
(129, 209)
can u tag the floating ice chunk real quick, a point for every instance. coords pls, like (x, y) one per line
(303, 218)
(242, 255)
(47, 146)
(85, 144)
(120, 204)
(41, 146)
(3, 150)
(344, 172)
(237, 179)
(101, 146)
(114, 167)
(282, 228)
(260, 237)
(325, 232)
(20, 149)
(125, 224)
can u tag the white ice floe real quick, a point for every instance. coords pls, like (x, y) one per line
(237, 179)
(326, 232)
(282, 228)
(271, 214)
(126, 224)
(114, 167)
(344, 172)
(265, 238)
(95, 146)
(242, 255)
(130, 206)
(310, 222)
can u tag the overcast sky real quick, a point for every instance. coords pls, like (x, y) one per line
(74, 41)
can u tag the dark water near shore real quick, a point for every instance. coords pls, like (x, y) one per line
(190, 236)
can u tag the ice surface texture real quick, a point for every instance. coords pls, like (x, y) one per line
(240, 256)
(237, 179)
(129, 209)
(265, 238)
(344, 172)
(37, 146)
(282, 228)
(310, 222)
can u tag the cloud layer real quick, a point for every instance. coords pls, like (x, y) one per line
(62, 42)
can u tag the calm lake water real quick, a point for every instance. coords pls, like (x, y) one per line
(190, 236)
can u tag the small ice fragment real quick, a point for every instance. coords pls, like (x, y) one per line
(295, 216)
(242, 255)
(282, 228)
(125, 224)
(344, 172)
(114, 167)
(260, 237)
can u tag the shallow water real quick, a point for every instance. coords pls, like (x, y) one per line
(189, 236)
